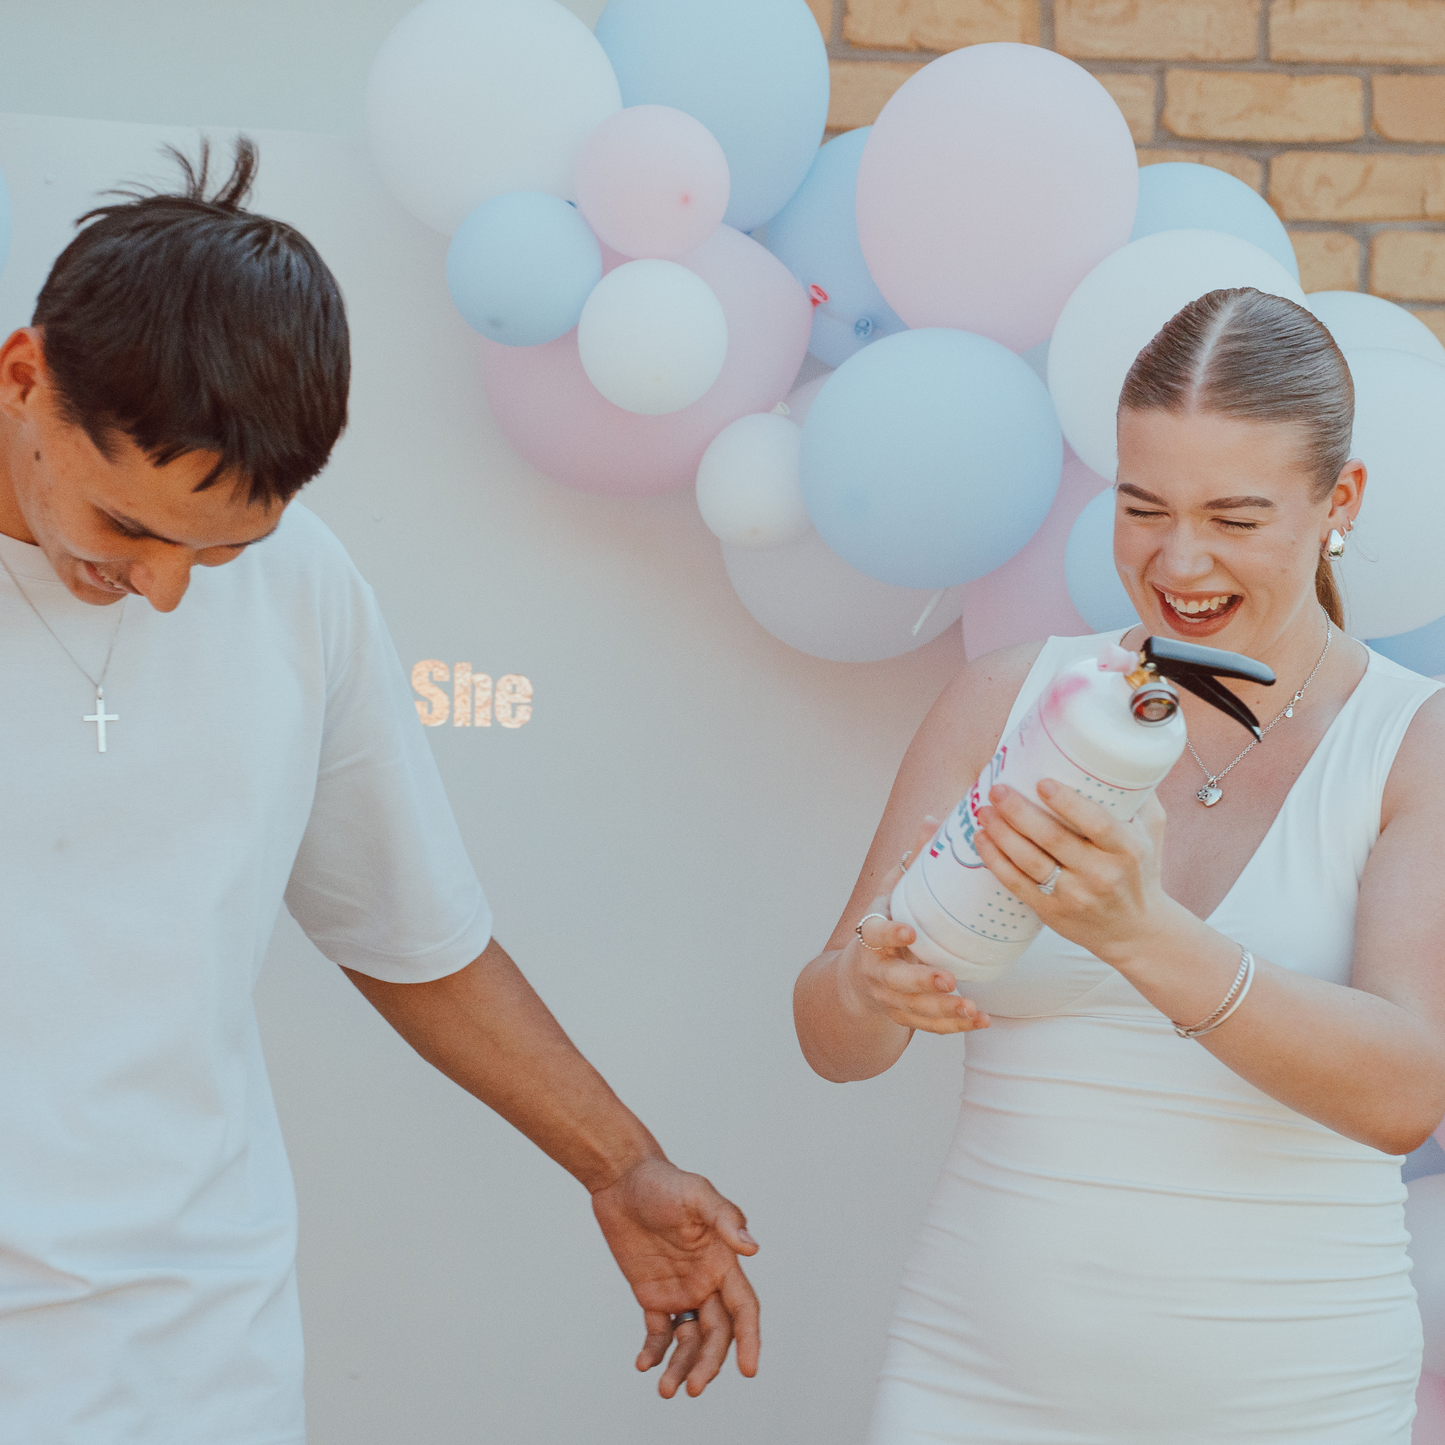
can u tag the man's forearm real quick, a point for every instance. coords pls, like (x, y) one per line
(485, 1028)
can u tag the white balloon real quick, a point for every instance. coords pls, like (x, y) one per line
(652, 337)
(812, 600)
(748, 487)
(1089, 572)
(1121, 305)
(1391, 575)
(468, 99)
(1358, 320)
(1425, 1220)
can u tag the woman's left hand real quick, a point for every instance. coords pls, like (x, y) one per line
(1109, 892)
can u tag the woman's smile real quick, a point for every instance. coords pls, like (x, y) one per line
(1197, 614)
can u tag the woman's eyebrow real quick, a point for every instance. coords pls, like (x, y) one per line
(1130, 490)
(1219, 504)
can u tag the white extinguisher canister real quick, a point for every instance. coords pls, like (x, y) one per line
(1110, 736)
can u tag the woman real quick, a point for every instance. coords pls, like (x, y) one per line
(1140, 1237)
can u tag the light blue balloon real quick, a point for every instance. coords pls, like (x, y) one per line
(930, 457)
(1093, 582)
(1182, 196)
(521, 267)
(1421, 650)
(754, 72)
(816, 237)
(4, 220)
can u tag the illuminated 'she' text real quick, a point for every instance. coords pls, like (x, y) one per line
(474, 702)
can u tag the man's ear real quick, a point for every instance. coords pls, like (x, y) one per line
(22, 368)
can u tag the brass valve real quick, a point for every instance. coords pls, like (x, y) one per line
(1145, 672)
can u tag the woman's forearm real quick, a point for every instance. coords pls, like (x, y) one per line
(1351, 1060)
(841, 1038)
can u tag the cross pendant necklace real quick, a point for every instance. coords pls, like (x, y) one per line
(100, 716)
(1211, 792)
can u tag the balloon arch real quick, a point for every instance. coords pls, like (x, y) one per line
(889, 364)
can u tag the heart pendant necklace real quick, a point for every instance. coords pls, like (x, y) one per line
(1211, 792)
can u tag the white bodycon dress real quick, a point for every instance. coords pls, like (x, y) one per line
(1130, 1245)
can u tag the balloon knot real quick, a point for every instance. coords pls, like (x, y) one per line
(817, 295)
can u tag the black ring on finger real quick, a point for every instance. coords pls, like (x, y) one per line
(685, 1317)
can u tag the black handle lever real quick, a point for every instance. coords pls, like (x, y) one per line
(1197, 668)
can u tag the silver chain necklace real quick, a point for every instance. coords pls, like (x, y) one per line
(99, 717)
(1211, 792)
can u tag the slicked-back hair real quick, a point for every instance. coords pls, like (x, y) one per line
(189, 324)
(1246, 354)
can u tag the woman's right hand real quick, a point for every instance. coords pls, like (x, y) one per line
(892, 981)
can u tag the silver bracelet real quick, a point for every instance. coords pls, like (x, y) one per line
(1232, 1001)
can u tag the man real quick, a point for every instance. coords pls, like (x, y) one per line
(201, 713)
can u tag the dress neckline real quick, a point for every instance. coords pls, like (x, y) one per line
(1304, 772)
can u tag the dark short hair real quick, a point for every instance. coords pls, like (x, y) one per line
(190, 324)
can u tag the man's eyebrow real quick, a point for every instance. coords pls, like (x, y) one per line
(139, 529)
(1219, 504)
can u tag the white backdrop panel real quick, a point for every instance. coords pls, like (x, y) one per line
(664, 844)
(297, 64)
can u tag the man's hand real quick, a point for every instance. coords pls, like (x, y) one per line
(675, 1237)
(677, 1241)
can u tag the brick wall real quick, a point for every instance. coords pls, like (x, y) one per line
(1333, 109)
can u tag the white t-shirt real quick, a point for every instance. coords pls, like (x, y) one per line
(265, 746)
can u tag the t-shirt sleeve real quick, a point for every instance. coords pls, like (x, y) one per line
(382, 883)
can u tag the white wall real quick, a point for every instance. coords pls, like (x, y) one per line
(664, 844)
(284, 64)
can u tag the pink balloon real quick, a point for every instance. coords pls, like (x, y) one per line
(652, 182)
(558, 421)
(993, 182)
(1026, 599)
(1429, 1426)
